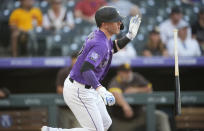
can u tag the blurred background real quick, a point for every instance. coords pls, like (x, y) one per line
(39, 42)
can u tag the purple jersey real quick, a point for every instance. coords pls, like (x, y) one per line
(97, 50)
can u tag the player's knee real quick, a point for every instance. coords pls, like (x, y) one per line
(107, 124)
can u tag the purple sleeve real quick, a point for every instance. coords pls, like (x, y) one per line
(90, 77)
(95, 55)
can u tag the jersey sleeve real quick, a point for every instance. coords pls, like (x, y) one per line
(95, 55)
(70, 18)
(163, 33)
(46, 22)
(13, 18)
(39, 16)
(170, 48)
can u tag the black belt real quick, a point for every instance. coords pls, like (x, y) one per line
(86, 86)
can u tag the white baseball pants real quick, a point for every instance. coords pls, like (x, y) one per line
(87, 106)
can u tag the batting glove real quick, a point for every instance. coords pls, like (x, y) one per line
(107, 97)
(133, 27)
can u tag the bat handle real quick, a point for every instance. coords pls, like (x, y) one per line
(177, 97)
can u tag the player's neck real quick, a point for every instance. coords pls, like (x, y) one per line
(107, 34)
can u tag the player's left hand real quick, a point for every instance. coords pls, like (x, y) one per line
(133, 27)
(107, 97)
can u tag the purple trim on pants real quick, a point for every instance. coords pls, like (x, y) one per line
(87, 110)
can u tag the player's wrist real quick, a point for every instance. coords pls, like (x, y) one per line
(100, 87)
(97, 86)
(129, 36)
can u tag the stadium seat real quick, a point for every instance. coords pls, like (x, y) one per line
(191, 118)
(23, 119)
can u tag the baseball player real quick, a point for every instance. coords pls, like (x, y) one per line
(82, 92)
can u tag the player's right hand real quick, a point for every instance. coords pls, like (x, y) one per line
(107, 97)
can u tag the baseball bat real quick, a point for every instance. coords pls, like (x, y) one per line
(177, 97)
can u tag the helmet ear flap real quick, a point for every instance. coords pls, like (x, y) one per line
(98, 24)
(121, 26)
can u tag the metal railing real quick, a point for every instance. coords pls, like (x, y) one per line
(53, 101)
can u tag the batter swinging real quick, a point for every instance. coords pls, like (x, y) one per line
(83, 93)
